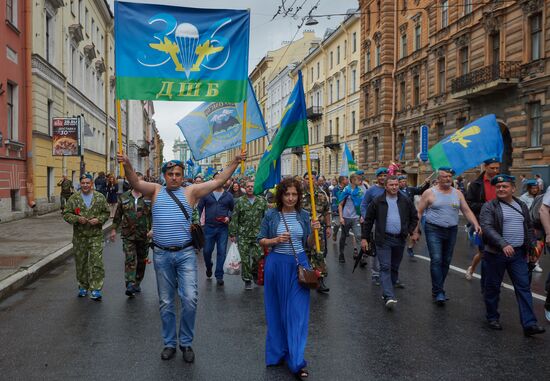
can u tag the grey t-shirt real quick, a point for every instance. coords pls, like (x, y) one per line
(393, 219)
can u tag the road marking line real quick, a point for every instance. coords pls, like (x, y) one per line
(505, 285)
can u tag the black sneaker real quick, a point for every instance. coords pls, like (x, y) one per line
(130, 291)
(188, 354)
(248, 285)
(341, 258)
(322, 286)
(220, 282)
(167, 353)
(209, 273)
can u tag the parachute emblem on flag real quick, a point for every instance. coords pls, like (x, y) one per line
(460, 136)
(185, 47)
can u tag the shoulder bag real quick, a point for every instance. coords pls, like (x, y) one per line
(306, 278)
(197, 235)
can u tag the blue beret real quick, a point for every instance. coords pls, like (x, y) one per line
(360, 172)
(531, 183)
(381, 171)
(171, 164)
(86, 176)
(503, 179)
(401, 177)
(491, 161)
(447, 169)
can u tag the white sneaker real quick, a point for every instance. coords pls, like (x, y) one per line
(547, 314)
(469, 273)
(390, 303)
(537, 269)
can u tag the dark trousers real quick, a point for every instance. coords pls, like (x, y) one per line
(390, 254)
(516, 266)
(441, 243)
(215, 236)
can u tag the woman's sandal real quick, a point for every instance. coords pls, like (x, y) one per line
(302, 374)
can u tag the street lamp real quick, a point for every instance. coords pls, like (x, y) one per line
(311, 21)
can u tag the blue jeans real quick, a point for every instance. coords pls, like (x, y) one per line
(441, 243)
(215, 236)
(390, 255)
(177, 270)
(495, 265)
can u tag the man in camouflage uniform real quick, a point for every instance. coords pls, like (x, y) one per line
(87, 210)
(133, 215)
(66, 190)
(322, 207)
(244, 228)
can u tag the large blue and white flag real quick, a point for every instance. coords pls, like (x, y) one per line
(174, 53)
(216, 127)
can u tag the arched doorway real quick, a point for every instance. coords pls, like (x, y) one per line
(507, 157)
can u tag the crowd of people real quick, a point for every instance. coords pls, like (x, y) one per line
(276, 232)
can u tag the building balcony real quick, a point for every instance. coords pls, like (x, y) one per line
(486, 80)
(297, 150)
(314, 112)
(332, 142)
(143, 150)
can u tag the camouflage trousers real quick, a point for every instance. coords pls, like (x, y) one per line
(88, 256)
(316, 259)
(250, 252)
(135, 254)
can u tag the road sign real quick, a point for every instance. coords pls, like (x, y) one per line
(423, 155)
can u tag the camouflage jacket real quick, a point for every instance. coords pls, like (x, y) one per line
(133, 216)
(75, 207)
(247, 218)
(322, 203)
(66, 187)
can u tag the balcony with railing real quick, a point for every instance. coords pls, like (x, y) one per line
(332, 141)
(314, 112)
(486, 80)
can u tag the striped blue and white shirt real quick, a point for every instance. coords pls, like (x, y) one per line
(296, 234)
(170, 227)
(512, 227)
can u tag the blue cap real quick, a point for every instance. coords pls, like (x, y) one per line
(360, 172)
(381, 170)
(401, 177)
(530, 183)
(171, 164)
(491, 161)
(503, 179)
(86, 176)
(447, 169)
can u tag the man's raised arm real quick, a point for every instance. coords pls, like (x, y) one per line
(198, 191)
(144, 187)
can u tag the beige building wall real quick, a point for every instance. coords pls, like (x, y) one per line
(331, 75)
(72, 66)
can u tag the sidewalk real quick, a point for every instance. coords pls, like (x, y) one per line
(31, 247)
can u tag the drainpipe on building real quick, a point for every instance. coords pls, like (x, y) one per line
(28, 104)
(393, 105)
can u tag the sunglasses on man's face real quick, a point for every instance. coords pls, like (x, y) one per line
(172, 164)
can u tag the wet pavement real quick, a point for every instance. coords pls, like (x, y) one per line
(50, 334)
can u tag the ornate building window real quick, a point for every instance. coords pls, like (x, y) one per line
(416, 90)
(444, 13)
(535, 23)
(535, 124)
(441, 75)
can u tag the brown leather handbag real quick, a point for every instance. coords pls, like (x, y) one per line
(306, 278)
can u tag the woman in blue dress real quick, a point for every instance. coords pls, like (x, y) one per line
(286, 302)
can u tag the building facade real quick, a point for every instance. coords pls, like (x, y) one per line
(331, 85)
(447, 63)
(13, 131)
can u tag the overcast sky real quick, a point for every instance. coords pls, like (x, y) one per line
(264, 35)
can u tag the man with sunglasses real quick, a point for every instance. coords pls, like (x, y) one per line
(173, 253)
(243, 230)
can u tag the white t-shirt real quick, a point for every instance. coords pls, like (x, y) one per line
(546, 197)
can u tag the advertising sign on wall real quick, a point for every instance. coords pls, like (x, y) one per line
(65, 137)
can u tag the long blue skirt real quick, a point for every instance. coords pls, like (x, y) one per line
(286, 311)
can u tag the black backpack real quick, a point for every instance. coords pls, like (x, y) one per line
(534, 212)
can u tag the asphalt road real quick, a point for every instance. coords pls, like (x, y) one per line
(50, 334)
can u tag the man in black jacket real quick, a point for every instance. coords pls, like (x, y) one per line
(396, 218)
(508, 235)
(479, 192)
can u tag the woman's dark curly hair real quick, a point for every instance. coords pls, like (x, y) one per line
(283, 186)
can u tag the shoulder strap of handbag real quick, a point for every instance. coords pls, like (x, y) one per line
(177, 201)
(288, 231)
(513, 207)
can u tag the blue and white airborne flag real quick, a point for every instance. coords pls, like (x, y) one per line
(348, 164)
(216, 127)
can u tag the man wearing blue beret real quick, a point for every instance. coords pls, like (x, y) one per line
(508, 235)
